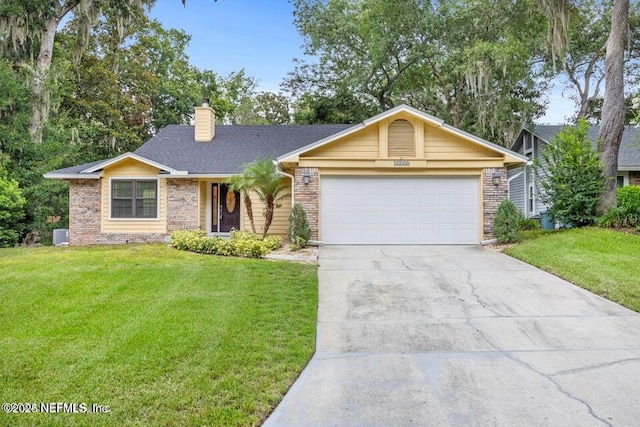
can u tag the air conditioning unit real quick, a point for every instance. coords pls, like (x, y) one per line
(60, 237)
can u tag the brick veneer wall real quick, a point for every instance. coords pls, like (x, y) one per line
(493, 195)
(182, 204)
(307, 196)
(634, 178)
(84, 211)
(122, 238)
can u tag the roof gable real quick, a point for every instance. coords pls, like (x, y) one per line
(131, 156)
(402, 112)
(628, 156)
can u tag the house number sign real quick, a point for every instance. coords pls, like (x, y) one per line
(401, 163)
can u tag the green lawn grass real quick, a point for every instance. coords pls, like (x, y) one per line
(162, 337)
(604, 261)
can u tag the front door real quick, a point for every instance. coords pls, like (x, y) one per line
(229, 209)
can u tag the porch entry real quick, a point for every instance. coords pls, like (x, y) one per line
(225, 209)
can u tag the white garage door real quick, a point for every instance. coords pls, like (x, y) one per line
(398, 210)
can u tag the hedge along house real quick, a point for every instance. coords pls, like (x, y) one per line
(401, 177)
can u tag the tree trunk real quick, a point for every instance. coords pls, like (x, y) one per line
(613, 110)
(584, 104)
(249, 206)
(41, 98)
(268, 215)
(455, 110)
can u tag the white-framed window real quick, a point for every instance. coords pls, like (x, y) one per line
(530, 198)
(133, 198)
(622, 179)
(527, 143)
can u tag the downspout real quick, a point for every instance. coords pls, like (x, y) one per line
(283, 173)
(523, 167)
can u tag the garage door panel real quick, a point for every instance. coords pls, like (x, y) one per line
(467, 201)
(393, 210)
(468, 219)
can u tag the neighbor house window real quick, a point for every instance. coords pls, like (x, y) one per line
(134, 198)
(530, 198)
(620, 181)
(527, 142)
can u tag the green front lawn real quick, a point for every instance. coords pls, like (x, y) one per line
(160, 336)
(604, 261)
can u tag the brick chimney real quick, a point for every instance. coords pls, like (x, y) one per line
(205, 122)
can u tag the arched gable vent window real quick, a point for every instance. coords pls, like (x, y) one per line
(401, 140)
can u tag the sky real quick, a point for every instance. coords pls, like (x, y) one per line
(229, 35)
(259, 37)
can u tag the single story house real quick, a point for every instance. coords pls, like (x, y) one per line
(523, 184)
(401, 177)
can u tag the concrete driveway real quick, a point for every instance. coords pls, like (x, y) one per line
(460, 336)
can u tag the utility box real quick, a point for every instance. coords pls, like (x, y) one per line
(546, 222)
(60, 237)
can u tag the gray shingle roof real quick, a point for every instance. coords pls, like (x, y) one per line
(76, 168)
(629, 155)
(232, 147)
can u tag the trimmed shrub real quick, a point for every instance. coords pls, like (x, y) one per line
(611, 219)
(627, 213)
(241, 243)
(507, 223)
(273, 242)
(299, 231)
(527, 224)
(629, 198)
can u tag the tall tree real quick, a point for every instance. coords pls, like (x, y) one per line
(272, 108)
(30, 29)
(108, 102)
(613, 108)
(180, 85)
(340, 107)
(467, 62)
(583, 60)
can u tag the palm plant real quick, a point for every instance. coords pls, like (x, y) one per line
(268, 185)
(243, 184)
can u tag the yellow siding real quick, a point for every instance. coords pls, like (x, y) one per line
(378, 141)
(440, 144)
(204, 124)
(133, 169)
(362, 144)
(400, 172)
(280, 221)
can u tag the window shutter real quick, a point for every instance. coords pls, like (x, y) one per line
(401, 140)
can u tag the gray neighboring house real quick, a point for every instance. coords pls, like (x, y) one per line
(523, 185)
